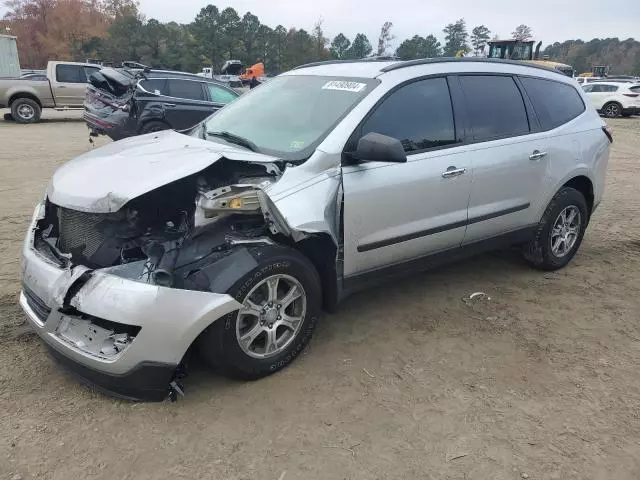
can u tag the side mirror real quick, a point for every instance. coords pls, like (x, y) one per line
(376, 147)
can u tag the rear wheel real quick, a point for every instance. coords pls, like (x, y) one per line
(154, 126)
(280, 302)
(560, 231)
(25, 110)
(612, 110)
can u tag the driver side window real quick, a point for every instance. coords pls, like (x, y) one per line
(419, 114)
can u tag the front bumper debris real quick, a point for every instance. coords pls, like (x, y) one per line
(124, 336)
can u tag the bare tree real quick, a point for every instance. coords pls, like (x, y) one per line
(384, 42)
(522, 33)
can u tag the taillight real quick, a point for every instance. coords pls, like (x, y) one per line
(607, 131)
(633, 95)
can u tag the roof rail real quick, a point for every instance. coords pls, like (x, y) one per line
(334, 62)
(427, 61)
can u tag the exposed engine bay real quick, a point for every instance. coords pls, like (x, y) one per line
(167, 228)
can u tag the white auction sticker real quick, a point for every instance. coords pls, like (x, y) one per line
(343, 85)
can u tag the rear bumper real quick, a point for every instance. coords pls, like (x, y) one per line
(81, 315)
(115, 127)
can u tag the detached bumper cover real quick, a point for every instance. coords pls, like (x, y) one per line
(61, 303)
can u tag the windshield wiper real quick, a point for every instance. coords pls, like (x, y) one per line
(232, 138)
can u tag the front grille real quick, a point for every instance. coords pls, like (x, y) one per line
(78, 232)
(36, 304)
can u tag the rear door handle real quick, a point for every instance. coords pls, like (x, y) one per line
(537, 155)
(453, 172)
(170, 105)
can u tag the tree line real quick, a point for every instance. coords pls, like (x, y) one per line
(115, 31)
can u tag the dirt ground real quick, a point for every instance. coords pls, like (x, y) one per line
(405, 381)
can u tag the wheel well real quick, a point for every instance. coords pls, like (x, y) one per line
(30, 96)
(584, 186)
(321, 250)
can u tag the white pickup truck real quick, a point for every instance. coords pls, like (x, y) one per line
(63, 88)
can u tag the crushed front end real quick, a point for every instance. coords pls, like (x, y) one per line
(119, 297)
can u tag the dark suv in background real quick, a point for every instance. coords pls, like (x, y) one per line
(121, 103)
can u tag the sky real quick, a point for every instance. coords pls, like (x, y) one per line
(550, 20)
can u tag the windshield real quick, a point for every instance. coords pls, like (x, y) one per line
(289, 116)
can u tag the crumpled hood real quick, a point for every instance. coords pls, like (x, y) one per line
(104, 179)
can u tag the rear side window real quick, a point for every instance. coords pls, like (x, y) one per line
(70, 74)
(635, 89)
(220, 95)
(555, 103)
(155, 85)
(188, 89)
(420, 115)
(495, 107)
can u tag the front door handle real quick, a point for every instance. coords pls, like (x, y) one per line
(453, 172)
(537, 155)
(170, 105)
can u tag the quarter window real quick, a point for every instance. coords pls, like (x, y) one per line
(155, 85)
(420, 115)
(555, 103)
(494, 106)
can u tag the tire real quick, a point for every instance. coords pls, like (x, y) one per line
(219, 345)
(153, 126)
(25, 110)
(539, 251)
(612, 110)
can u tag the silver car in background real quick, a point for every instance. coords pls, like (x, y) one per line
(231, 239)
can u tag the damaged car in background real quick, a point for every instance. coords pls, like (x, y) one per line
(228, 240)
(121, 103)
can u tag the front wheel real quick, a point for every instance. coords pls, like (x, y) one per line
(280, 302)
(560, 231)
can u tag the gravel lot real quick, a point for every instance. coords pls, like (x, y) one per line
(405, 381)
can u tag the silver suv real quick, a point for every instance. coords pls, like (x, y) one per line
(230, 239)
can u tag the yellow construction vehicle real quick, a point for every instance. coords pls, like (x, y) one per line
(523, 50)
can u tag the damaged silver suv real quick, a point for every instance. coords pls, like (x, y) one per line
(229, 240)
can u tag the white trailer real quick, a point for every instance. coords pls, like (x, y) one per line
(9, 62)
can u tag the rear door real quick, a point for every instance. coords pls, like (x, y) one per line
(509, 157)
(395, 212)
(186, 103)
(70, 84)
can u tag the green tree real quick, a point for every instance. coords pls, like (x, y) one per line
(206, 30)
(360, 48)
(229, 33)
(278, 41)
(299, 48)
(385, 39)
(522, 33)
(249, 27)
(479, 37)
(339, 46)
(455, 36)
(419, 47)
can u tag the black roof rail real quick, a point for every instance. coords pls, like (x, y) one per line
(427, 61)
(336, 62)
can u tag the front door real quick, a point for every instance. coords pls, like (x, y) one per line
(70, 85)
(394, 212)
